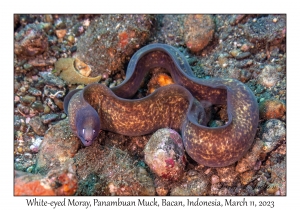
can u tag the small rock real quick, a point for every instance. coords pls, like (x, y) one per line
(38, 106)
(193, 184)
(271, 109)
(199, 31)
(37, 125)
(172, 29)
(47, 118)
(24, 110)
(59, 145)
(51, 79)
(247, 177)
(36, 145)
(57, 182)
(40, 61)
(19, 123)
(164, 154)
(162, 187)
(27, 99)
(59, 103)
(245, 47)
(53, 92)
(278, 174)
(269, 76)
(51, 104)
(243, 55)
(46, 109)
(235, 19)
(264, 30)
(227, 175)
(60, 33)
(110, 171)
(272, 188)
(234, 53)
(215, 179)
(273, 133)
(34, 91)
(111, 39)
(248, 162)
(225, 192)
(223, 61)
(261, 184)
(30, 41)
(245, 76)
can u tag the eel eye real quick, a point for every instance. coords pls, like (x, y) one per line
(94, 131)
(83, 131)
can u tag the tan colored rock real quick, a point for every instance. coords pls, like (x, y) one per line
(199, 31)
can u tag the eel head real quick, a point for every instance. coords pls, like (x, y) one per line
(87, 125)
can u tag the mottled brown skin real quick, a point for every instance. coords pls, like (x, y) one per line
(178, 106)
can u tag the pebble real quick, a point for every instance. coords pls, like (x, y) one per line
(171, 31)
(19, 123)
(269, 76)
(235, 19)
(61, 182)
(198, 31)
(245, 47)
(164, 154)
(37, 125)
(27, 99)
(59, 145)
(278, 175)
(36, 145)
(23, 110)
(261, 184)
(71, 40)
(48, 18)
(248, 162)
(271, 109)
(234, 52)
(30, 41)
(227, 175)
(53, 92)
(51, 79)
(59, 103)
(27, 66)
(34, 91)
(40, 61)
(193, 184)
(51, 104)
(60, 33)
(47, 109)
(272, 189)
(37, 106)
(162, 187)
(223, 61)
(47, 118)
(215, 179)
(116, 173)
(264, 30)
(243, 55)
(247, 177)
(114, 45)
(274, 132)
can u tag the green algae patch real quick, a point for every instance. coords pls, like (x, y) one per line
(74, 71)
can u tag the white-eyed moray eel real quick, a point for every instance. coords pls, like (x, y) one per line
(179, 106)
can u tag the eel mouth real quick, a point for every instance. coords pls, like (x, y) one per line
(86, 142)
